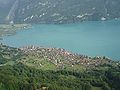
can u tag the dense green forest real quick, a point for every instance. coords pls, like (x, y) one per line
(20, 77)
(16, 74)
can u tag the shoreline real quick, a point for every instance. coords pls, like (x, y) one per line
(34, 47)
(8, 29)
(53, 54)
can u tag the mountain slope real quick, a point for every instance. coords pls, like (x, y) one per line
(61, 11)
(5, 6)
(67, 11)
(38, 68)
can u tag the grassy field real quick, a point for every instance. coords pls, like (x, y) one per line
(38, 63)
(96, 88)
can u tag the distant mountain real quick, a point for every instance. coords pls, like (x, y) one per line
(66, 11)
(5, 6)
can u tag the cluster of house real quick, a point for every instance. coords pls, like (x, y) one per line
(61, 57)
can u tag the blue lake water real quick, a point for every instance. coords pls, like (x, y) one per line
(88, 38)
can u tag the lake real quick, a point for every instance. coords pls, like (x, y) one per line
(92, 38)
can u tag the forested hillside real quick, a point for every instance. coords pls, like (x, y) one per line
(67, 11)
(61, 11)
(36, 69)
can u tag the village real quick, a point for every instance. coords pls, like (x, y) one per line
(60, 57)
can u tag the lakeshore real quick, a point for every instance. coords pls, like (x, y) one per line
(87, 38)
(25, 63)
(8, 29)
(56, 57)
(55, 66)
